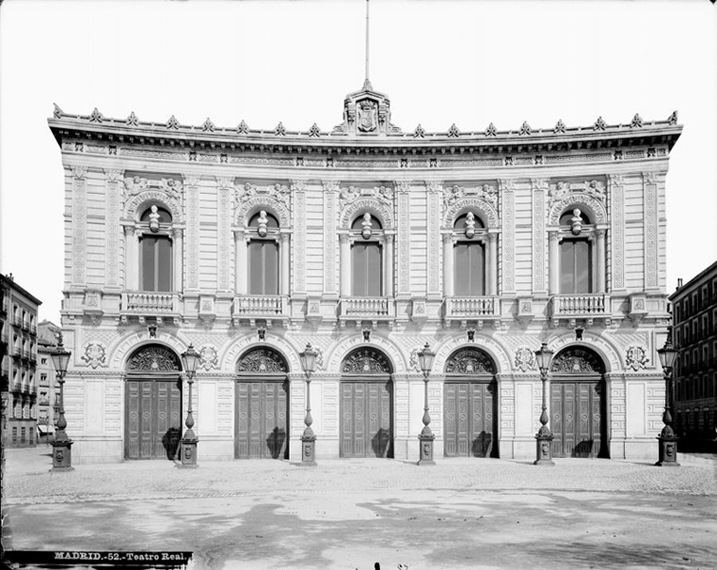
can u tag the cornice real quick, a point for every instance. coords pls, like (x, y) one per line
(312, 141)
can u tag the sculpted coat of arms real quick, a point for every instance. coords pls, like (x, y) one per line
(367, 112)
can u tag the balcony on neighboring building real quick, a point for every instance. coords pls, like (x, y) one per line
(144, 304)
(583, 306)
(373, 309)
(260, 307)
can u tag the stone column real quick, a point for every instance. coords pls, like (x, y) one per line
(131, 266)
(240, 267)
(345, 253)
(448, 265)
(553, 262)
(600, 260)
(178, 259)
(388, 269)
(285, 275)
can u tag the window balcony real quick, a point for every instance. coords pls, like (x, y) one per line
(372, 309)
(462, 308)
(587, 306)
(142, 304)
(257, 307)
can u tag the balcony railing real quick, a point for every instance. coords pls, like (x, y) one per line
(150, 303)
(259, 305)
(368, 307)
(580, 305)
(471, 307)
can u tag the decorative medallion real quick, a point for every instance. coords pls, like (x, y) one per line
(366, 361)
(599, 124)
(524, 359)
(559, 127)
(242, 128)
(491, 131)
(636, 358)
(96, 116)
(173, 123)
(420, 132)
(263, 360)
(367, 114)
(132, 120)
(280, 129)
(576, 360)
(208, 357)
(95, 354)
(470, 361)
(453, 131)
(314, 131)
(525, 129)
(154, 358)
(208, 126)
(636, 121)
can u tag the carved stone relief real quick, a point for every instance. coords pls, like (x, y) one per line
(636, 358)
(95, 354)
(154, 358)
(208, 357)
(366, 361)
(524, 359)
(470, 361)
(576, 360)
(262, 360)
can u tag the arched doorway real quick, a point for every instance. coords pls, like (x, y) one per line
(577, 404)
(470, 406)
(153, 403)
(366, 404)
(262, 405)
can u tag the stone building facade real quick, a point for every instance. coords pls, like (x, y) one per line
(368, 243)
(694, 311)
(18, 353)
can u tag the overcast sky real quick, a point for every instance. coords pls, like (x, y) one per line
(467, 62)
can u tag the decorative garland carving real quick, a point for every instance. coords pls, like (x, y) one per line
(485, 192)
(576, 360)
(276, 198)
(470, 361)
(154, 358)
(262, 360)
(489, 213)
(167, 191)
(592, 188)
(378, 201)
(366, 361)
(208, 357)
(524, 359)
(593, 205)
(95, 354)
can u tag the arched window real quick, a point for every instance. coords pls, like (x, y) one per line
(470, 256)
(263, 252)
(576, 253)
(367, 257)
(155, 257)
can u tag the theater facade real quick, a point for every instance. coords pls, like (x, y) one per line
(368, 242)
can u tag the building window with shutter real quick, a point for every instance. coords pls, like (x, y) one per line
(155, 245)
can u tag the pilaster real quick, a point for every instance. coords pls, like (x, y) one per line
(507, 193)
(225, 189)
(649, 189)
(539, 187)
(403, 227)
(79, 226)
(616, 188)
(113, 192)
(191, 186)
(433, 229)
(331, 188)
(299, 224)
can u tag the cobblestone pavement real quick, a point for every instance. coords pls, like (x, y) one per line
(459, 513)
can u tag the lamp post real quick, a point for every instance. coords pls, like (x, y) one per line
(308, 439)
(190, 359)
(62, 445)
(544, 437)
(667, 438)
(426, 437)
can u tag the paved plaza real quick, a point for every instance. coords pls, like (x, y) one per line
(353, 514)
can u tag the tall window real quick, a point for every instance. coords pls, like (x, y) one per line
(576, 254)
(470, 256)
(367, 257)
(264, 255)
(156, 250)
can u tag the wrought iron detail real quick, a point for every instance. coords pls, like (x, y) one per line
(576, 360)
(263, 360)
(154, 358)
(366, 361)
(470, 361)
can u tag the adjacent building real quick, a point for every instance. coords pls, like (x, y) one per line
(47, 390)
(18, 320)
(694, 310)
(368, 242)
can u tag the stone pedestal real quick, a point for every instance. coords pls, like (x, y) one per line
(189, 452)
(62, 455)
(426, 449)
(308, 455)
(667, 451)
(544, 451)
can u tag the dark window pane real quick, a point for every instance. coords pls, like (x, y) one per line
(156, 263)
(583, 275)
(263, 268)
(575, 267)
(164, 264)
(367, 270)
(271, 268)
(148, 260)
(469, 269)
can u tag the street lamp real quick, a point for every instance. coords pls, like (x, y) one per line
(308, 439)
(426, 437)
(61, 446)
(190, 359)
(667, 438)
(544, 437)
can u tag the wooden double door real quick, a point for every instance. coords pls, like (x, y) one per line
(577, 417)
(261, 426)
(470, 417)
(366, 417)
(153, 425)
